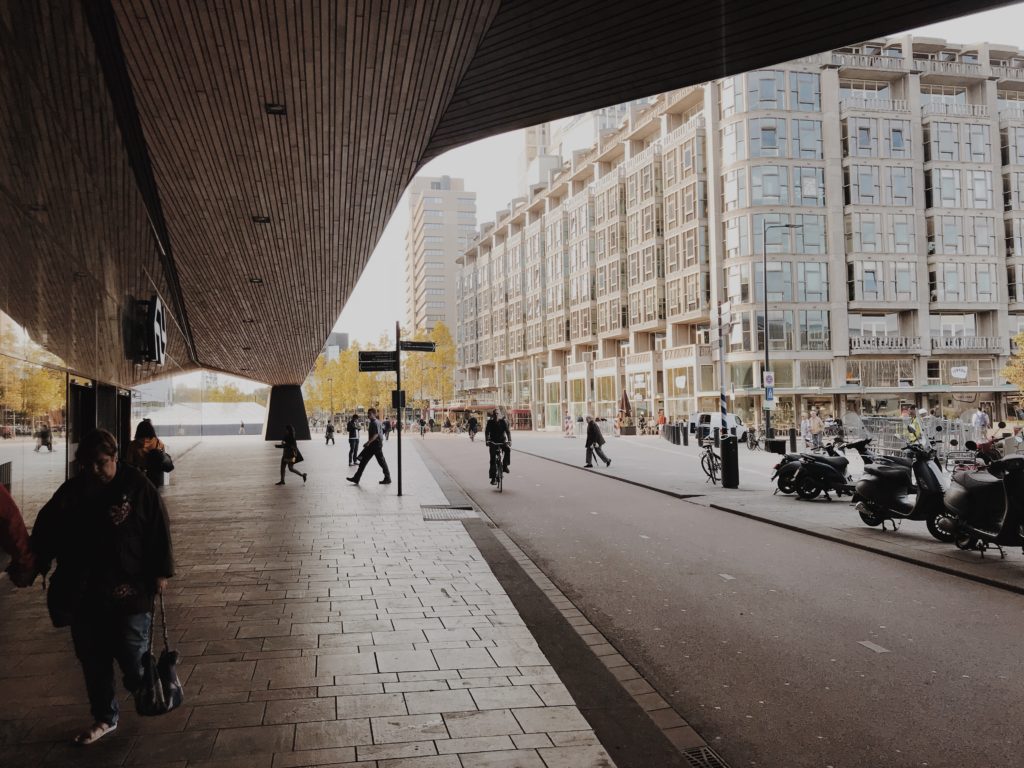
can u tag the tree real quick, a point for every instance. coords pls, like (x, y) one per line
(1014, 370)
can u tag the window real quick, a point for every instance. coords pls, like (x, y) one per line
(899, 185)
(810, 236)
(780, 329)
(732, 95)
(816, 373)
(905, 281)
(805, 91)
(977, 145)
(984, 236)
(807, 139)
(809, 186)
(864, 233)
(944, 189)
(946, 235)
(733, 146)
(736, 237)
(811, 281)
(768, 137)
(953, 325)
(738, 284)
(768, 185)
(814, 329)
(896, 137)
(734, 189)
(902, 228)
(866, 281)
(979, 190)
(766, 90)
(862, 185)
(780, 281)
(778, 237)
(945, 145)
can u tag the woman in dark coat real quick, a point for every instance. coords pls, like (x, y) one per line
(107, 529)
(291, 455)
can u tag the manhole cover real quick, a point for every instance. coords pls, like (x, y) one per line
(447, 512)
(703, 757)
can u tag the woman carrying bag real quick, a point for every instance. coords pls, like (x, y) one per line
(148, 454)
(291, 455)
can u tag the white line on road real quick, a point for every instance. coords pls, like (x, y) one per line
(727, 577)
(872, 647)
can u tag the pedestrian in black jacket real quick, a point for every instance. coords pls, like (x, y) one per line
(353, 440)
(291, 455)
(373, 448)
(107, 529)
(499, 440)
(594, 442)
(329, 434)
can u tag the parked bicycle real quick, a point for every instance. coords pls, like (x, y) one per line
(755, 439)
(711, 462)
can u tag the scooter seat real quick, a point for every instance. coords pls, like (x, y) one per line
(888, 471)
(901, 460)
(972, 479)
(839, 462)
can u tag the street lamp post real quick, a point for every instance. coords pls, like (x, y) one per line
(765, 226)
(330, 382)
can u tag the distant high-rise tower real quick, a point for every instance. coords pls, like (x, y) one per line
(442, 222)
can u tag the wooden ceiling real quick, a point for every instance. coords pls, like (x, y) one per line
(265, 221)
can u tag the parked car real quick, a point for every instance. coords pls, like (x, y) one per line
(705, 424)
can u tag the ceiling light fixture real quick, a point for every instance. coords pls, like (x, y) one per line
(273, 108)
(248, 320)
(256, 280)
(261, 219)
(247, 349)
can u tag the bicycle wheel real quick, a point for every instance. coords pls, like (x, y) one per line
(499, 474)
(710, 467)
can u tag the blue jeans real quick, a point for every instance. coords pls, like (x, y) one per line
(100, 640)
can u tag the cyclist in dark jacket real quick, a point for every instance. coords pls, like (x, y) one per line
(107, 529)
(498, 438)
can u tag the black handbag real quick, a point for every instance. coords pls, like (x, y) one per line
(161, 689)
(167, 463)
(296, 456)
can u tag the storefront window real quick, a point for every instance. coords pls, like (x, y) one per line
(678, 393)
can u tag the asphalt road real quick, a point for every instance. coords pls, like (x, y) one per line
(779, 648)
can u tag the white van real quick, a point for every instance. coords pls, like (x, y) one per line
(707, 422)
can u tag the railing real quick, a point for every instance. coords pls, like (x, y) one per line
(640, 359)
(1009, 73)
(955, 110)
(648, 155)
(863, 61)
(949, 67)
(680, 353)
(484, 382)
(704, 350)
(576, 370)
(885, 343)
(676, 136)
(877, 105)
(1012, 113)
(814, 343)
(975, 343)
(469, 384)
(554, 373)
(608, 364)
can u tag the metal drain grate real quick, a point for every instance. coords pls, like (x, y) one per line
(703, 757)
(447, 512)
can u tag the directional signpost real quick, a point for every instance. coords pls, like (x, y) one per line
(769, 390)
(386, 360)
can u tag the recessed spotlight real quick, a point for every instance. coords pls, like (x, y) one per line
(245, 369)
(273, 108)
(247, 349)
(261, 219)
(248, 320)
(256, 280)
(38, 208)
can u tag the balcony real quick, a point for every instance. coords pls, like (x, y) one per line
(687, 352)
(942, 344)
(1009, 73)
(1012, 113)
(874, 105)
(863, 61)
(872, 345)
(955, 110)
(956, 68)
(484, 382)
(576, 371)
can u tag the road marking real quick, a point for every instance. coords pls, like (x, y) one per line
(644, 537)
(727, 577)
(872, 647)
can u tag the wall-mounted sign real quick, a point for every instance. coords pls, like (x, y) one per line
(958, 371)
(151, 330)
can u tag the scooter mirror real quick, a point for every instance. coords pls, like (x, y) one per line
(970, 445)
(954, 443)
(938, 429)
(1002, 425)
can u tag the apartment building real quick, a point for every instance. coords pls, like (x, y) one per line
(882, 183)
(442, 222)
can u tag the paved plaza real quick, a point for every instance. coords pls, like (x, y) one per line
(320, 624)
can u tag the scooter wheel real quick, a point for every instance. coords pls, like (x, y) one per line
(871, 518)
(939, 534)
(965, 541)
(786, 484)
(808, 488)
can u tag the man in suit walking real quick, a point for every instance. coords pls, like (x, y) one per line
(373, 448)
(594, 442)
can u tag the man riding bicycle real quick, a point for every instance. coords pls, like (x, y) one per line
(498, 438)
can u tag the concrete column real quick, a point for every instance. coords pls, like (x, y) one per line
(286, 406)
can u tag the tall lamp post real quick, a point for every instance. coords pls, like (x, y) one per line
(765, 226)
(330, 382)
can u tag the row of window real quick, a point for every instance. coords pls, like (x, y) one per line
(797, 138)
(745, 282)
(771, 89)
(773, 185)
(875, 137)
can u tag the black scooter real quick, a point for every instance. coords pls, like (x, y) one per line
(985, 507)
(785, 472)
(887, 491)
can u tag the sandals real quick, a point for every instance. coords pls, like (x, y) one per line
(94, 733)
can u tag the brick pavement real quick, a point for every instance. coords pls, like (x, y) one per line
(320, 625)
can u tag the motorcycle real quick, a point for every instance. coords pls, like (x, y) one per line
(888, 491)
(985, 507)
(784, 473)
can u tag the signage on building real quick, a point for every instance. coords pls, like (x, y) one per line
(418, 346)
(958, 371)
(152, 331)
(378, 361)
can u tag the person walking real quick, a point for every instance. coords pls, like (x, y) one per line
(329, 433)
(291, 455)
(423, 427)
(373, 448)
(472, 426)
(146, 453)
(45, 438)
(241, 427)
(594, 442)
(498, 437)
(353, 440)
(386, 424)
(817, 427)
(108, 532)
(14, 541)
(805, 429)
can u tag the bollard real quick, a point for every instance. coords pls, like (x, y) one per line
(730, 462)
(792, 440)
(718, 439)
(686, 436)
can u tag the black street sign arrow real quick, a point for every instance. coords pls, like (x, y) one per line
(377, 365)
(418, 346)
(386, 355)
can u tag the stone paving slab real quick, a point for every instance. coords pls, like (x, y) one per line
(320, 624)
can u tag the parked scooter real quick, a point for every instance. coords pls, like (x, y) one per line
(887, 491)
(785, 471)
(985, 507)
(828, 474)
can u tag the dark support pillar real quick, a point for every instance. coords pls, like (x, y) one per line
(286, 407)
